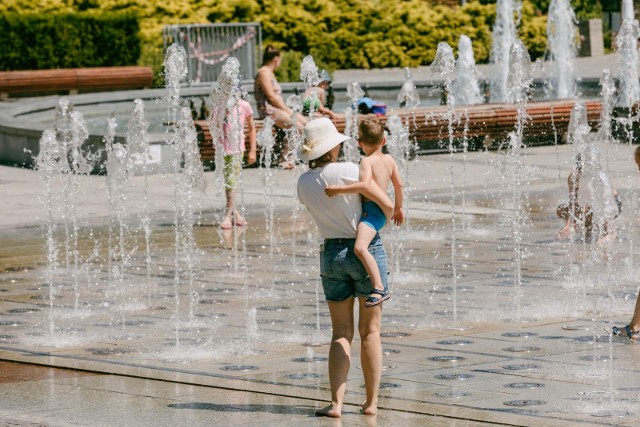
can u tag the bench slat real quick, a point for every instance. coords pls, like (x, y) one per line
(73, 79)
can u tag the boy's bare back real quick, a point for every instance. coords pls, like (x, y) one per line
(382, 167)
(377, 167)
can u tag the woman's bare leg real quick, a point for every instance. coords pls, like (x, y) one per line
(339, 355)
(370, 353)
(635, 320)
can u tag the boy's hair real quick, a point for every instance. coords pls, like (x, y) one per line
(637, 155)
(270, 52)
(370, 132)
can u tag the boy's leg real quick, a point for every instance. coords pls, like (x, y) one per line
(342, 324)
(369, 325)
(364, 236)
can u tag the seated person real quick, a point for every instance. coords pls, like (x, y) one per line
(270, 103)
(314, 99)
(581, 207)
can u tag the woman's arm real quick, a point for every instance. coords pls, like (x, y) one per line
(263, 80)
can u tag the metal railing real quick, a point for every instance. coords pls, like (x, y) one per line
(209, 45)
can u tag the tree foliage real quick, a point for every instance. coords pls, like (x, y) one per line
(337, 33)
(584, 9)
(68, 40)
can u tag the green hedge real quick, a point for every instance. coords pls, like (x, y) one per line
(45, 41)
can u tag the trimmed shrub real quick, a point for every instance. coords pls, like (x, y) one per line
(46, 41)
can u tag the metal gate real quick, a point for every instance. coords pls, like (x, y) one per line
(209, 45)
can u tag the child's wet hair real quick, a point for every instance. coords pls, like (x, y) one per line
(370, 132)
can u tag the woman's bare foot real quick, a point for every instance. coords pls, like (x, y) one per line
(329, 411)
(369, 409)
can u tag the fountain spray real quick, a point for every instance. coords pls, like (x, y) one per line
(48, 165)
(266, 142)
(399, 145)
(138, 143)
(465, 86)
(221, 92)
(309, 75)
(627, 42)
(504, 35)
(465, 91)
(117, 183)
(444, 63)
(518, 86)
(561, 33)
(349, 148)
(61, 155)
(175, 67)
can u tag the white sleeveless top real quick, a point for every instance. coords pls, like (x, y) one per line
(337, 216)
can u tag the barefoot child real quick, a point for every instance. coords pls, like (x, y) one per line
(382, 169)
(239, 116)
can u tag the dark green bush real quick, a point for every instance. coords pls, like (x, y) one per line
(45, 41)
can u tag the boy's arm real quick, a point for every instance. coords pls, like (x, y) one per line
(251, 157)
(362, 186)
(396, 180)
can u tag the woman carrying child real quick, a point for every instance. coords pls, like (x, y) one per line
(381, 169)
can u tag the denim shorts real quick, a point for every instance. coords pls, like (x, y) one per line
(342, 273)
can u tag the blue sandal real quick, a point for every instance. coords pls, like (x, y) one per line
(371, 301)
(626, 332)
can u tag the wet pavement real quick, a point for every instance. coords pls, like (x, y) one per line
(483, 328)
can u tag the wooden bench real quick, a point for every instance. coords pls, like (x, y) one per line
(546, 122)
(488, 124)
(74, 80)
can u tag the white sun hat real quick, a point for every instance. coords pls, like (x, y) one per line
(321, 136)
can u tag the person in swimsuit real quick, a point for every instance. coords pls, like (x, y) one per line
(238, 118)
(579, 210)
(382, 169)
(314, 99)
(270, 103)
